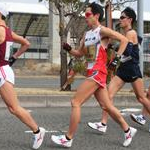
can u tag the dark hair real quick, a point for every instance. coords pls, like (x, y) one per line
(97, 9)
(130, 13)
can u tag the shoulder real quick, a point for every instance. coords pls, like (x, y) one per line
(103, 28)
(132, 36)
(2, 34)
(132, 33)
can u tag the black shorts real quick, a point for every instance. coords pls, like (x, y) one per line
(129, 73)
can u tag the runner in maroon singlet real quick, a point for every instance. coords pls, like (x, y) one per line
(7, 92)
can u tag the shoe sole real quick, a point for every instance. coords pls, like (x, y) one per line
(96, 129)
(135, 120)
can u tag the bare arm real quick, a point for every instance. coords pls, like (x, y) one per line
(116, 36)
(24, 44)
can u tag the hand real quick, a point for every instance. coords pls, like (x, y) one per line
(11, 60)
(114, 63)
(67, 47)
(114, 47)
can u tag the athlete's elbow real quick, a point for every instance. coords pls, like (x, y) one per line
(27, 44)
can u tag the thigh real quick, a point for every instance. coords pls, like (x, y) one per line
(115, 85)
(138, 87)
(85, 90)
(8, 94)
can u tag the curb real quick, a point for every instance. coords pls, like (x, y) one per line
(36, 97)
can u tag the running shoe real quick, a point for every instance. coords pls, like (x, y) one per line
(98, 126)
(128, 136)
(61, 140)
(138, 119)
(38, 138)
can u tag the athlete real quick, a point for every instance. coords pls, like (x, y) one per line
(128, 71)
(96, 83)
(7, 92)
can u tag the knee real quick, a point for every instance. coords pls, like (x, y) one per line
(141, 99)
(13, 110)
(105, 106)
(111, 96)
(75, 103)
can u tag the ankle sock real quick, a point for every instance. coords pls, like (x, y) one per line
(67, 137)
(36, 132)
(103, 124)
(127, 130)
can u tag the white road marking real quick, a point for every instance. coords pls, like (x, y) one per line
(123, 114)
(30, 110)
(130, 110)
(127, 111)
(52, 131)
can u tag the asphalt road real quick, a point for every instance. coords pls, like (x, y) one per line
(55, 120)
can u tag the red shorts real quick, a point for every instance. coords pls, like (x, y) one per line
(98, 76)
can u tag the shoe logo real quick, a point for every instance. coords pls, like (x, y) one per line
(63, 141)
(128, 136)
(98, 126)
(139, 119)
(134, 77)
(40, 138)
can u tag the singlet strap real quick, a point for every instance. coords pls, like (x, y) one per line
(129, 30)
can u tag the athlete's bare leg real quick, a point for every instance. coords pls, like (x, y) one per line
(10, 98)
(86, 89)
(115, 85)
(144, 111)
(110, 108)
(138, 87)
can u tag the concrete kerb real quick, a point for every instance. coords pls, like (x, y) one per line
(47, 97)
(37, 97)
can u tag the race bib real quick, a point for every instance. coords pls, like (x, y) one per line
(9, 50)
(91, 53)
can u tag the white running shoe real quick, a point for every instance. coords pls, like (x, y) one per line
(61, 140)
(98, 126)
(38, 138)
(138, 119)
(129, 136)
